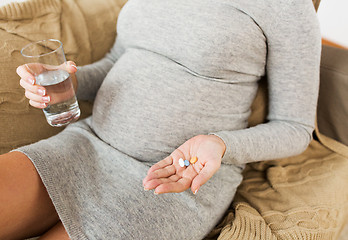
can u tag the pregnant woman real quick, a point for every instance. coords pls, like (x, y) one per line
(177, 85)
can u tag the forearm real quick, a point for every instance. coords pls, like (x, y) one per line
(273, 140)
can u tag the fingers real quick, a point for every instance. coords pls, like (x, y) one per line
(168, 179)
(35, 93)
(161, 164)
(24, 72)
(203, 176)
(152, 184)
(160, 173)
(70, 67)
(173, 187)
(37, 98)
(37, 89)
(38, 104)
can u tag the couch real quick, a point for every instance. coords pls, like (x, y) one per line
(302, 197)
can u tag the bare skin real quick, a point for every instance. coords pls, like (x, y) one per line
(57, 232)
(26, 209)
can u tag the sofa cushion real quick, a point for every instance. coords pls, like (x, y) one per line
(332, 104)
(66, 20)
(101, 24)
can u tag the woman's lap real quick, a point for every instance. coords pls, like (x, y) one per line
(97, 191)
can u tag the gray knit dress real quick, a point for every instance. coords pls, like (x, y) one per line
(179, 69)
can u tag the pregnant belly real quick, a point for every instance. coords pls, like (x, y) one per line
(146, 109)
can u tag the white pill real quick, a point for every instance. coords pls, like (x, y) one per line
(181, 162)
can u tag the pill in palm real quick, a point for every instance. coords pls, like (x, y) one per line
(181, 162)
(187, 163)
(193, 160)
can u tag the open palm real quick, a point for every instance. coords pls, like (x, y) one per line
(168, 176)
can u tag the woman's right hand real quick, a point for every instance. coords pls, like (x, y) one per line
(35, 93)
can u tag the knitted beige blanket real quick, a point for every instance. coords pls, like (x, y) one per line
(302, 197)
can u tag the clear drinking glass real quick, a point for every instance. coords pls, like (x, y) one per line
(45, 60)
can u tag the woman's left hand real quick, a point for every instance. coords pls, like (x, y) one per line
(168, 176)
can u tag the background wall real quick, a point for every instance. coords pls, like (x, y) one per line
(333, 18)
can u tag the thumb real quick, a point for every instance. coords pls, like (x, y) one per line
(71, 67)
(203, 176)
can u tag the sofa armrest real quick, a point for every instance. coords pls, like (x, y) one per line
(332, 111)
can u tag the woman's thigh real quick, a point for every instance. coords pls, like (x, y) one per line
(56, 233)
(25, 207)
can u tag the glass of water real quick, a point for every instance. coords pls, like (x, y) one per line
(46, 61)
